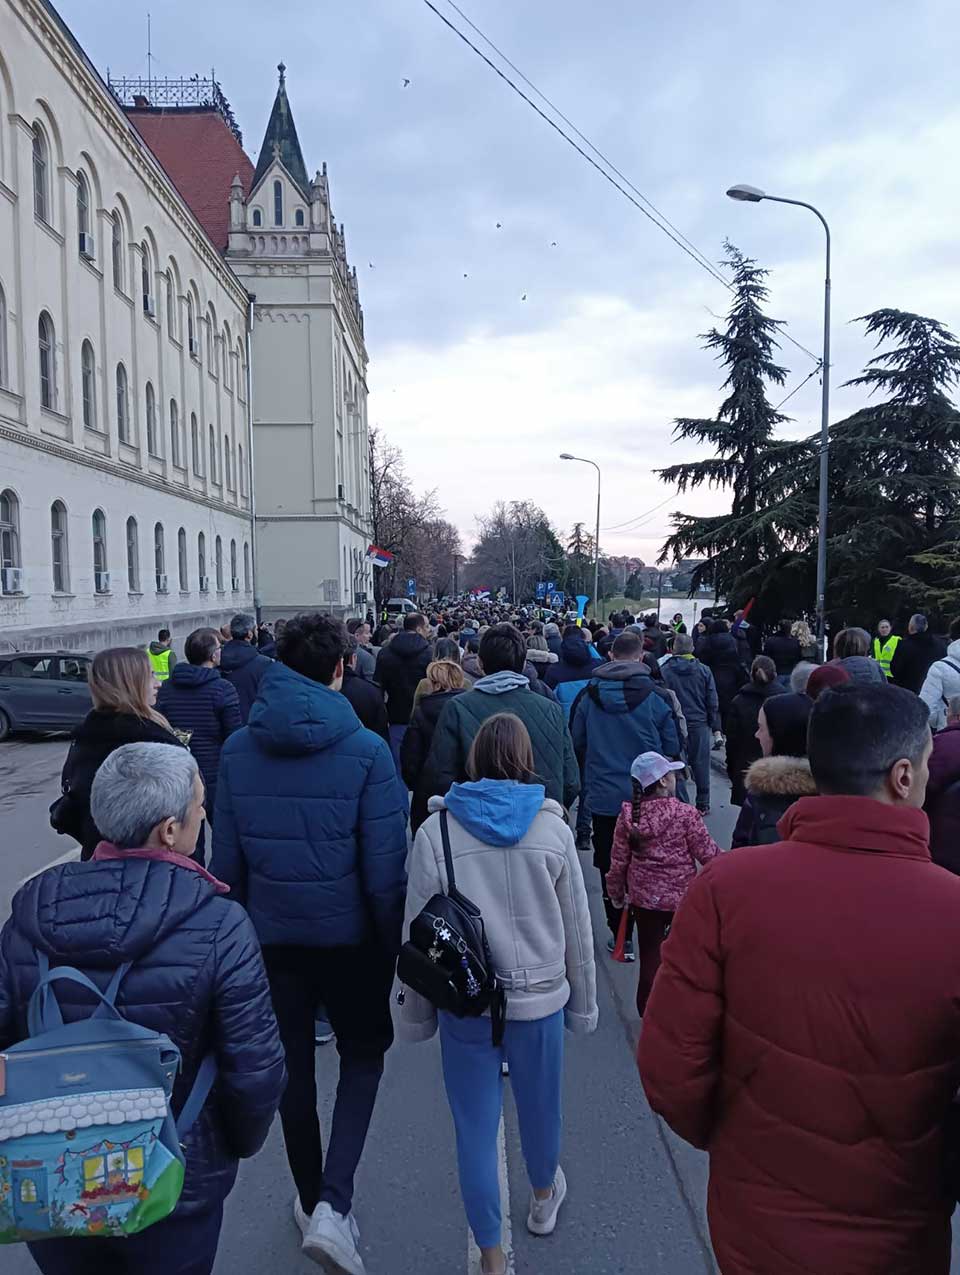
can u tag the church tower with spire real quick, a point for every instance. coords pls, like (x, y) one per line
(311, 448)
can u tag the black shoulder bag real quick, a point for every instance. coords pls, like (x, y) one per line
(447, 958)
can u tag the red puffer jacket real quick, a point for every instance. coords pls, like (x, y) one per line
(804, 1028)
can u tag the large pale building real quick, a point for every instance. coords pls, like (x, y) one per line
(152, 281)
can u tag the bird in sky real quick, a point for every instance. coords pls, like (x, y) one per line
(406, 84)
(524, 297)
(499, 225)
(465, 275)
(371, 265)
(554, 244)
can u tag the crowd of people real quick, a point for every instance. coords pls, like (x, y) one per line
(262, 821)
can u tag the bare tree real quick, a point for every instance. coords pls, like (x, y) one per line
(399, 515)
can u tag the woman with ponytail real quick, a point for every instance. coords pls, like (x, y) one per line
(657, 845)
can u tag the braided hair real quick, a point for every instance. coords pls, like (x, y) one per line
(639, 841)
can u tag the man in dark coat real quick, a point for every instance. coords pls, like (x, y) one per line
(804, 1023)
(784, 649)
(570, 675)
(196, 975)
(914, 655)
(241, 663)
(366, 698)
(942, 802)
(718, 650)
(693, 685)
(401, 665)
(201, 703)
(655, 640)
(504, 689)
(310, 835)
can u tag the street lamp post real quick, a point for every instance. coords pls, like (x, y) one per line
(750, 194)
(596, 567)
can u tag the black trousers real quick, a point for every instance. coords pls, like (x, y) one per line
(604, 826)
(175, 1246)
(353, 983)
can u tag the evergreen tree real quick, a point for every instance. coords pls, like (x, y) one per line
(741, 435)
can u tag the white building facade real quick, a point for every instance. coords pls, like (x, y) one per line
(125, 480)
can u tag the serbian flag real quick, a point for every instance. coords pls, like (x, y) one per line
(379, 557)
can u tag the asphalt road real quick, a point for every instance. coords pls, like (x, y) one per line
(637, 1193)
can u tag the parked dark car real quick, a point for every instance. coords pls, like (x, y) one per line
(43, 690)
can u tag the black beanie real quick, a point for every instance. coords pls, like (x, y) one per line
(786, 717)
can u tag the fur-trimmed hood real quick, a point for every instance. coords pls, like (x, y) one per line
(781, 777)
(538, 658)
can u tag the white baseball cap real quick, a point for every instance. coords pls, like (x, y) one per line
(648, 768)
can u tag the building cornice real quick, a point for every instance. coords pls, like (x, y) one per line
(359, 528)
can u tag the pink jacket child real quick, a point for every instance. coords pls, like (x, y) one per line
(658, 841)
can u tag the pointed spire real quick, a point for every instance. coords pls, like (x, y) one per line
(280, 140)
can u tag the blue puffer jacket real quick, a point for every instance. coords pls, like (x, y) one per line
(243, 666)
(623, 713)
(197, 975)
(574, 670)
(199, 700)
(310, 828)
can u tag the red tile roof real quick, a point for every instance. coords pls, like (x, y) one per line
(201, 157)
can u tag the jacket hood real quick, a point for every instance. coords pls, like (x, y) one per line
(657, 814)
(953, 650)
(101, 726)
(622, 671)
(541, 657)
(293, 714)
(682, 667)
(609, 685)
(858, 823)
(781, 777)
(103, 913)
(193, 675)
(408, 646)
(158, 648)
(498, 812)
(573, 650)
(236, 654)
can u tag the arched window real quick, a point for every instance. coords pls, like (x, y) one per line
(195, 445)
(151, 420)
(175, 457)
(101, 579)
(171, 307)
(9, 541)
(116, 250)
(202, 562)
(257, 217)
(4, 369)
(246, 567)
(133, 556)
(88, 385)
(298, 217)
(48, 362)
(85, 238)
(241, 477)
(278, 203)
(182, 560)
(159, 558)
(218, 562)
(146, 286)
(211, 345)
(191, 330)
(234, 577)
(227, 462)
(213, 456)
(226, 358)
(123, 405)
(346, 574)
(58, 547)
(41, 192)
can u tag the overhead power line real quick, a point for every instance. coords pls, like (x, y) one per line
(663, 224)
(639, 517)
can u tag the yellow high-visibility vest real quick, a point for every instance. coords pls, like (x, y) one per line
(883, 652)
(160, 664)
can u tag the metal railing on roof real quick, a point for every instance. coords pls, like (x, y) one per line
(172, 93)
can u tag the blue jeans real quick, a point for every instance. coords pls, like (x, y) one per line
(175, 1246)
(396, 740)
(699, 743)
(472, 1075)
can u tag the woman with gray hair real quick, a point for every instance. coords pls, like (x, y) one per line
(196, 974)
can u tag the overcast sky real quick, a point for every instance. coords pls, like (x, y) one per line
(851, 106)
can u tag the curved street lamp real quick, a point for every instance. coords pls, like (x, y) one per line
(596, 566)
(753, 195)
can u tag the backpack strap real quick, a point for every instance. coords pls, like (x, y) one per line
(43, 1012)
(447, 852)
(198, 1095)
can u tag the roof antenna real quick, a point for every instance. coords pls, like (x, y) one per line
(149, 55)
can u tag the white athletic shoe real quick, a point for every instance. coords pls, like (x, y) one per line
(542, 1218)
(302, 1219)
(331, 1241)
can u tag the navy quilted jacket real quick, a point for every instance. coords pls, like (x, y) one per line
(201, 701)
(197, 975)
(310, 823)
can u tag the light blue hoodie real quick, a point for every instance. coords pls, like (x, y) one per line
(498, 812)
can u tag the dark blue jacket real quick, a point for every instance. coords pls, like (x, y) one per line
(310, 828)
(197, 975)
(693, 685)
(199, 700)
(623, 713)
(243, 666)
(573, 671)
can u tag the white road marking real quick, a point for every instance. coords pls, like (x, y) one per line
(473, 1253)
(54, 863)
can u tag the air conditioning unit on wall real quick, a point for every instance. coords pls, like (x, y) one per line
(87, 246)
(102, 581)
(11, 580)
(161, 583)
(204, 584)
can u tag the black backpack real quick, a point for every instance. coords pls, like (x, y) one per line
(447, 958)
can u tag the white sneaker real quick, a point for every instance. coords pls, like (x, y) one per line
(331, 1241)
(302, 1219)
(542, 1218)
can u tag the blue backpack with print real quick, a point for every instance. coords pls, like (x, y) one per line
(88, 1142)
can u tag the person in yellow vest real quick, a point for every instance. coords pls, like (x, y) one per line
(162, 658)
(884, 646)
